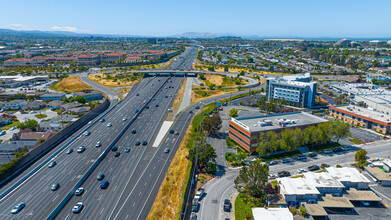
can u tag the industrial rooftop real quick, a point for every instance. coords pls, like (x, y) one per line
(277, 121)
(366, 112)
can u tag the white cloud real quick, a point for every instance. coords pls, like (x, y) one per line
(17, 25)
(65, 28)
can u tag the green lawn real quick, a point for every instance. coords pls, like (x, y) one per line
(41, 116)
(14, 123)
(242, 209)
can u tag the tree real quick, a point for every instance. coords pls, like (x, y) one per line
(233, 113)
(32, 124)
(339, 130)
(361, 157)
(80, 99)
(303, 210)
(204, 153)
(252, 180)
(211, 168)
(212, 124)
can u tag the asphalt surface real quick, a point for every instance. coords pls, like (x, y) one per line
(112, 95)
(35, 191)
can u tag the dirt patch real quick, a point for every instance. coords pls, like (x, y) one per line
(72, 84)
(115, 80)
(215, 79)
(177, 102)
(200, 93)
(166, 204)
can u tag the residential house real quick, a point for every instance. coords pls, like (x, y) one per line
(57, 123)
(90, 95)
(55, 104)
(16, 146)
(70, 105)
(5, 121)
(79, 109)
(34, 105)
(14, 104)
(52, 96)
(36, 136)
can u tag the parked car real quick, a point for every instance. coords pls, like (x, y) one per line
(193, 216)
(286, 160)
(227, 205)
(337, 149)
(328, 151)
(313, 154)
(346, 148)
(195, 205)
(301, 170)
(273, 162)
(313, 168)
(283, 173)
(302, 157)
(199, 194)
(272, 176)
(18, 207)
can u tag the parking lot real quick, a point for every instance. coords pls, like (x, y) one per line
(32, 115)
(364, 135)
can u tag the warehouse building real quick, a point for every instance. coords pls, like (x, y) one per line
(245, 131)
(362, 117)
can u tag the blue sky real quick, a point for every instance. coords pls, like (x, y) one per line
(301, 18)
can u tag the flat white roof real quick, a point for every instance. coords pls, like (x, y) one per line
(347, 174)
(272, 214)
(366, 113)
(322, 180)
(296, 186)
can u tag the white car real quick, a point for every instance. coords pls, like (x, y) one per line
(13, 128)
(18, 207)
(98, 144)
(272, 176)
(124, 119)
(109, 124)
(78, 207)
(301, 170)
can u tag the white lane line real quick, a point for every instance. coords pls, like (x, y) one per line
(66, 217)
(55, 198)
(139, 194)
(102, 210)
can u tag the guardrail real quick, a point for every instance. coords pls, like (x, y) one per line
(100, 158)
(5, 193)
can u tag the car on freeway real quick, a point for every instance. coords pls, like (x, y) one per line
(283, 173)
(301, 170)
(102, 120)
(195, 205)
(134, 131)
(52, 164)
(18, 207)
(166, 96)
(117, 154)
(328, 151)
(193, 216)
(55, 186)
(136, 110)
(145, 142)
(81, 149)
(137, 94)
(346, 148)
(170, 95)
(87, 133)
(147, 107)
(100, 176)
(78, 207)
(313, 168)
(286, 160)
(227, 205)
(109, 124)
(114, 148)
(177, 133)
(154, 99)
(312, 154)
(98, 144)
(166, 150)
(190, 112)
(124, 119)
(157, 105)
(171, 131)
(104, 184)
(197, 107)
(137, 143)
(127, 150)
(79, 191)
(69, 151)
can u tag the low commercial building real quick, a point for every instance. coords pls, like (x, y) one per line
(295, 190)
(324, 183)
(296, 90)
(362, 117)
(245, 131)
(52, 96)
(19, 80)
(272, 214)
(379, 175)
(350, 177)
(90, 95)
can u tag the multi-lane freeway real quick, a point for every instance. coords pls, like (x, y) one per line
(134, 176)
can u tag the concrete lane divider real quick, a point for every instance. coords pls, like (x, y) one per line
(100, 158)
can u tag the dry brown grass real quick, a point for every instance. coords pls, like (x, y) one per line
(196, 97)
(101, 79)
(238, 70)
(72, 84)
(167, 201)
(177, 102)
(215, 79)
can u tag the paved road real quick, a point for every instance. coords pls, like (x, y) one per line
(112, 95)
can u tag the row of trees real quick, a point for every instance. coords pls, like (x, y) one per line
(291, 139)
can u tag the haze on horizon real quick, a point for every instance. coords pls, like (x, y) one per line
(304, 18)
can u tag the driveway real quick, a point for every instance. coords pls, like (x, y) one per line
(9, 134)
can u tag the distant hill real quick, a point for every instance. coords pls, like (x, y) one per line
(197, 35)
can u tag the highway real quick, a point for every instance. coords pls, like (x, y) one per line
(35, 191)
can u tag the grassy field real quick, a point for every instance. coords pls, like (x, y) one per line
(200, 93)
(115, 80)
(177, 102)
(7, 127)
(168, 199)
(224, 81)
(236, 70)
(40, 116)
(72, 84)
(242, 208)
